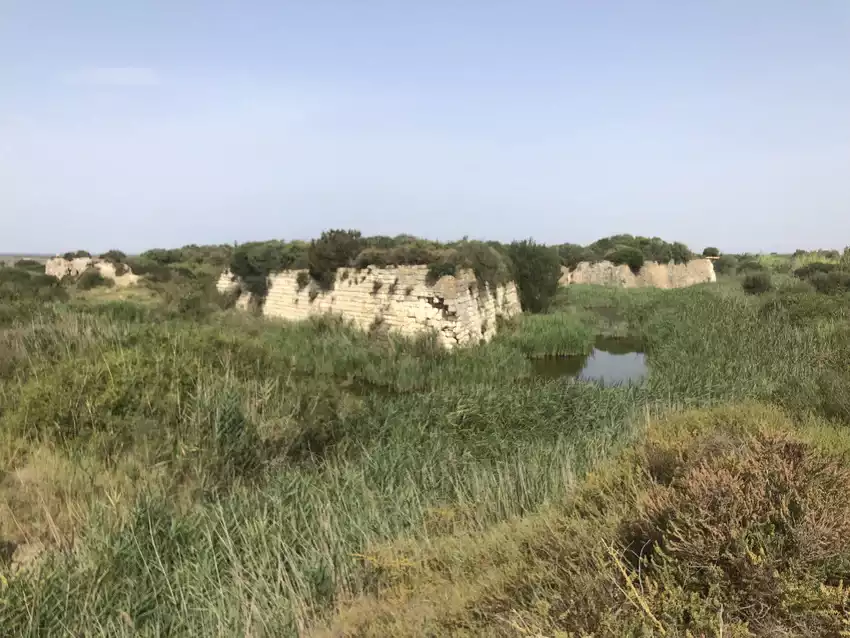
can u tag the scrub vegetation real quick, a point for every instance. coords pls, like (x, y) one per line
(175, 467)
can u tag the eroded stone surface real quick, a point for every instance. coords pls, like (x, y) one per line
(399, 299)
(60, 267)
(604, 273)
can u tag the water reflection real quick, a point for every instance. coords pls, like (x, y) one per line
(613, 361)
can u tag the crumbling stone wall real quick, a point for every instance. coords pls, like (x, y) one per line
(394, 298)
(604, 273)
(60, 267)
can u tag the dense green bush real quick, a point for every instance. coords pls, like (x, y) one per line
(29, 264)
(680, 253)
(573, 254)
(114, 256)
(807, 271)
(78, 254)
(443, 267)
(150, 269)
(651, 248)
(631, 257)
(757, 283)
(215, 255)
(726, 265)
(710, 251)
(831, 283)
(20, 284)
(536, 271)
(91, 278)
(750, 264)
(254, 262)
(334, 249)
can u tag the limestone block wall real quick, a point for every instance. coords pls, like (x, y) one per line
(604, 273)
(394, 298)
(60, 267)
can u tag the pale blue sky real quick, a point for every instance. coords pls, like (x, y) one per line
(158, 123)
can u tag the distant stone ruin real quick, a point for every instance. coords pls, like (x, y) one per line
(60, 268)
(605, 273)
(459, 309)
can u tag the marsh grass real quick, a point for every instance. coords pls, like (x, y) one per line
(221, 474)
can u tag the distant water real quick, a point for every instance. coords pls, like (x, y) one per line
(612, 362)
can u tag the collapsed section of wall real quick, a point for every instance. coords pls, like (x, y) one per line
(399, 299)
(605, 273)
(60, 267)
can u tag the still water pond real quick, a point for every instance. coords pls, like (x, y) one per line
(612, 362)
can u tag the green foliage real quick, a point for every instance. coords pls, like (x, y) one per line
(334, 249)
(114, 256)
(572, 255)
(710, 251)
(810, 269)
(632, 257)
(726, 265)
(651, 248)
(29, 264)
(750, 264)
(831, 283)
(91, 278)
(302, 279)
(445, 267)
(844, 264)
(214, 255)
(536, 271)
(489, 265)
(78, 254)
(25, 284)
(757, 283)
(254, 262)
(152, 270)
(826, 278)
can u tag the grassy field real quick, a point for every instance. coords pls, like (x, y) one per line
(193, 471)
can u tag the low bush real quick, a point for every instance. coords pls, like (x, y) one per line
(334, 249)
(710, 251)
(573, 254)
(114, 256)
(19, 284)
(726, 265)
(651, 248)
(149, 269)
(91, 278)
(757, 283)
(30, 264)
(831, 283)
(807, 271)
(631, 257)
(78, 254)
(750, 264)
(254, 263)
(536, 271)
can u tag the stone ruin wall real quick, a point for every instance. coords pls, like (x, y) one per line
(60, 267)
(604, 273)
(395, 298)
